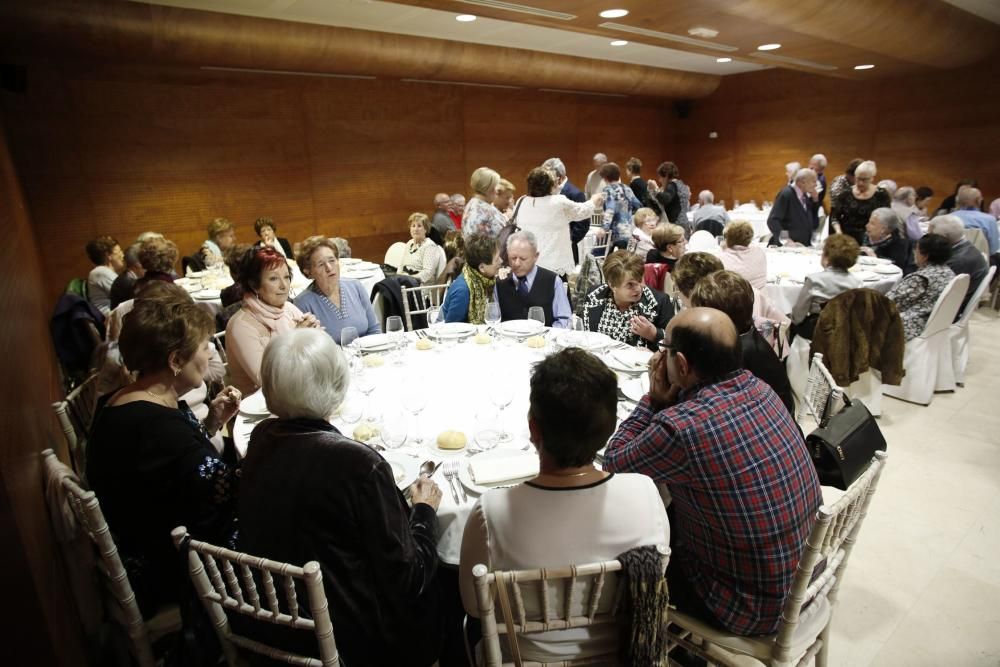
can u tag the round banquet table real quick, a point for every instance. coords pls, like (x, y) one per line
(454, 377)
(788, 267)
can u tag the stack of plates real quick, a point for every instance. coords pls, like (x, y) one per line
(452, 330)
(206, 294)
(586, 340)
(629, 359)
(254, 405)
(375, 343)
(520, 328)
(359, 270)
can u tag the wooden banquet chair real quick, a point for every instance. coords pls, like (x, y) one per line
(960, 330)
(217, 574)
(804, 630)
(545, 599)
(418, 300)
(121, 606)
(927, 359)
(75, 414)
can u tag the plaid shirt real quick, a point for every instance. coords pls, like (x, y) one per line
(744, 491)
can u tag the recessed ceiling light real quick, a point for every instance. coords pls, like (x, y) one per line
(723, 60)
(614, 13)
(864, 67)
(768, 47)
(619, 42)
(465, 18)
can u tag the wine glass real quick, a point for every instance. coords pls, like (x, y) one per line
(434, 317)
(502, 394)
(351, 410)
(365, 382)
(537, 313)
(348, 340)
(492, 316)
(415, 400)
(394, 327)
(393, 431)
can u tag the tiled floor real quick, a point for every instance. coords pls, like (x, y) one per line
(923, 583)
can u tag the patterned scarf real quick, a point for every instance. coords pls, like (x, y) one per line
(616, 323)
(643, 634)
(480, 289)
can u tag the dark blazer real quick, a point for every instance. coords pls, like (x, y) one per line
(578, 228)
(759, 358)
(788, 215)
(602, 297)
(640, 189)
(899, 249)
(572, 192)
(966, 259)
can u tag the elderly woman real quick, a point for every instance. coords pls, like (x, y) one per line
(904, 203)
(221, 237)
(670, 194)
(266, 313)
(150, 460)
(422, 258)
(267, 231)
(851, 209)
(669, 244)
(336, 302)
(234, 259)
(571, 512)
(916, 294)
(480, 216)
(887, 240)
(644, 221)
(454, 255)
(624, 308)
(158, 257)
(505, 198)
(738, 255)
(547, 214)
(690, 269)
(840, 252)
(310, 493)
(619, 203)
(109, 261)
(468, 294)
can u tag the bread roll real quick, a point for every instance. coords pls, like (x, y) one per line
(424, 344)
(365, 432)
(373, 360)
(451, 440)
(483, 339)
(535, 341)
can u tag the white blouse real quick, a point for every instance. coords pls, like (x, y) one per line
(548, 219)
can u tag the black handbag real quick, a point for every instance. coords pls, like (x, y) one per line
(844, 444)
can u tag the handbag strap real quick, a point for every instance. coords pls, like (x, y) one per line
(508, 619)
(517, 207)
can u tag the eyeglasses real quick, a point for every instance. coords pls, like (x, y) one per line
(666, 347)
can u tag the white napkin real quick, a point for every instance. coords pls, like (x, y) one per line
(487, 470)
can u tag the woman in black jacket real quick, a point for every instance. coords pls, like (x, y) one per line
(623, 307)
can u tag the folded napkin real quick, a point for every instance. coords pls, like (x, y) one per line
(488, 470)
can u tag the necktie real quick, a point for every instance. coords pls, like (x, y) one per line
(805, 202)
(522, 286)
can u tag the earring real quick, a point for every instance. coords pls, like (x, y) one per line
(177, 372)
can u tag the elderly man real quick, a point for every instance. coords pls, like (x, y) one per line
(442, 222)
(456, 209)
(964, 256)
(594, 182)
(578, 228)
(744, 488)
(969, 200)
(709, 210)
(887, 239)
(795, 211)
(818, 164)
(530, 285)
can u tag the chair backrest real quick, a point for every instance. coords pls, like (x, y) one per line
(970, 307)
(90, 518)
(829, 543)
(713, 226)
(822, 397)
(76, 415)
(978, 240)
(217, 574)
(394, 255)
(702, 241)
(219, 340)
(947, 305)
(597, 219)
(417, 301)
(558, 598)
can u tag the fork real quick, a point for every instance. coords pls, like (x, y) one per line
(446, 471)
(451, 473)
(421, 333)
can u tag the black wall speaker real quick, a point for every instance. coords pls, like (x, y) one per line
(13, 78)
(682, 108)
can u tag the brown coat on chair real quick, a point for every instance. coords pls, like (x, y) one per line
(857, 331)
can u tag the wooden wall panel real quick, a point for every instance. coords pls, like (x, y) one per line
(921, 130)
(123, 149)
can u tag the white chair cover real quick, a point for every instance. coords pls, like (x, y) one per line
(927, 360)
(960, 330)
(702, 241)
(394, 255)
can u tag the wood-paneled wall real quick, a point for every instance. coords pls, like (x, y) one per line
(41, 622)
(933, 129)
(121, 150)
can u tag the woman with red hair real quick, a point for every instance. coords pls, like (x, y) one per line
(266, 312)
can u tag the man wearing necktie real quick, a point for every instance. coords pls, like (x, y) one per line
(530, 285)
(795, 210)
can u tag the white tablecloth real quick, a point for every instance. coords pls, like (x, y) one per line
(757, 218)
(454, 379)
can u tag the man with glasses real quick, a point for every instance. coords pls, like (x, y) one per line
(744, 490)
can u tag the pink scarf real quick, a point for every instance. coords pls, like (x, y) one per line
(276, 320)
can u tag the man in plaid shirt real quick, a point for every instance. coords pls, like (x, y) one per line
(744, 489)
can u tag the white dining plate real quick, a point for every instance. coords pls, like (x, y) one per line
(870, 261)
(886, 269)
(206, 294)
(635, 388)
(466, 478)
(452, 330)
(629, 359)
(404, 468)
(254, 404)
(375, 342)
(520, 327)
(865, 275)
(587, 340)
(348, 261)
(430, 444)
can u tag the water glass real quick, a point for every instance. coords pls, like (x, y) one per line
(415, 400)
(394, 327)
(487, 433)
(351, 410)
(502, 394)
(348, 340)
(393, 431)
(537, 313)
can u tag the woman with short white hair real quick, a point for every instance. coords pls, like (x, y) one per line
(851, 209)
(481, 216)
(310, 493)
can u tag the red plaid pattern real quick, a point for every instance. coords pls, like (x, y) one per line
(744, 490)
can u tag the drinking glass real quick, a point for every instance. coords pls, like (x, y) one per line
(487, 433)
(365, 382)
(351, 410)
(415, 400)
(394, 327)
(434, 317)
(348, 340)
(492, 316)
(502, 394)
(537, 313)
(393, 430)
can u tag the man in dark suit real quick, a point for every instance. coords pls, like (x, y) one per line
(578, 228)
(530, 285)
(964, 256)
(795, 211)
(818, 164)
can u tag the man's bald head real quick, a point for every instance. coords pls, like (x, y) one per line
(708, 341)
(442, 201)
(968, 196)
